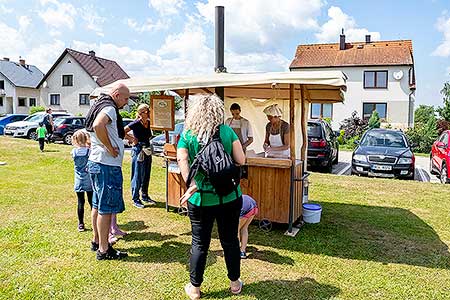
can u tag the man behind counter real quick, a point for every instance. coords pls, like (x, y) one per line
(240, 125)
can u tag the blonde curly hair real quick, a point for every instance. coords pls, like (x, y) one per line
(204, 115)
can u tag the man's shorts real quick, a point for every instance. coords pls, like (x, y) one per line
(107, 185)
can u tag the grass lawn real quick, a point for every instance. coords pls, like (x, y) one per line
(378, 239)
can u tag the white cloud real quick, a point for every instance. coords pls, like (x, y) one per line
(24, 22)
(443, 25)
(5, 8)
(149, 25)
(59, 15)
(330, 31)
(45, 55)
(93, 20)
(166, 7)
(252, 24)
(12, 42)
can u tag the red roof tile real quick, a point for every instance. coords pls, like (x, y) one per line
(379, 53)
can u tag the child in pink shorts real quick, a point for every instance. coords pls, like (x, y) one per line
(248, 211)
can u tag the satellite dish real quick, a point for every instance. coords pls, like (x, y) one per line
(398, 75)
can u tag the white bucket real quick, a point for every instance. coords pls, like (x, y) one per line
(312, 212)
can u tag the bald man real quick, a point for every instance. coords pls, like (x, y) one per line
(104, 123)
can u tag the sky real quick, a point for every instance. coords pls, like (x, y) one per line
(165, 37)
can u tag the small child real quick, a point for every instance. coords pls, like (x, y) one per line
(248, 211)
(80, 154)
(41, 133)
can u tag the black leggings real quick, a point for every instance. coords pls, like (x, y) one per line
(202, 221)
(81, 201)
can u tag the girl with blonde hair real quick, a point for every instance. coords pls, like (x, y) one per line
(204, 117)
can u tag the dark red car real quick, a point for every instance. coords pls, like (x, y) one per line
(440, 159)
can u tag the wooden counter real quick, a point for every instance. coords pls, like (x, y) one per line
(269, 183)
(176, 186)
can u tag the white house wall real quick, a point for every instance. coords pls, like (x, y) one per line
(396, 95)
(10, 94)
(69, 99)
(26, 93)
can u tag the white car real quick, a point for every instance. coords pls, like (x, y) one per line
(27, 127)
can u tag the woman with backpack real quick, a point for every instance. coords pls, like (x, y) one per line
(204, 135)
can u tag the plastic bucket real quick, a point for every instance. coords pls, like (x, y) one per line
(312, 212)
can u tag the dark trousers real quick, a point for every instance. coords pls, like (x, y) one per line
(140, 173)
(202, 221)
(41, 143)
(81, 201)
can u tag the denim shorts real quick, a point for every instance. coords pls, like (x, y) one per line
(107, 182)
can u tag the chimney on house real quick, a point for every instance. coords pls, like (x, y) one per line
(22, 61)
(92, 53)
(367, 38)
(6, 58)
(342, 40)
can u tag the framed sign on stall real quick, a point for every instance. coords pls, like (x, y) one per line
(162, 112)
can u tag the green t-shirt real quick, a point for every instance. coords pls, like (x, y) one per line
(189, 141)
(41, 132)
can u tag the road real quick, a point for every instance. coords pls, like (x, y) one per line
(422, 167)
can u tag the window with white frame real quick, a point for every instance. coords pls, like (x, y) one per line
(67, 80)
(84, 99)
(22, 101)
(55, 99)
(32, 101)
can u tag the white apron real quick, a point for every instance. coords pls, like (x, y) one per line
(276, 141)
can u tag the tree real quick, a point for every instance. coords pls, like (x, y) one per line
(444, 111)
(423, 113)
(35, 109)
(374, 121)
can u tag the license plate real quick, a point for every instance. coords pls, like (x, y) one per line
(382, 168)
(382, 175)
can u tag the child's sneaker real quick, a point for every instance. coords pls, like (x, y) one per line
(138, 204)
(147, 199)
(243, 255)
(94, 246)
(81, 227)
(111, 253)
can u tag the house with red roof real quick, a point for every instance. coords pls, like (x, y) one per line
(74, 75)
(380, 77)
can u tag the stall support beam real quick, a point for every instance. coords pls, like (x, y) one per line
(292, 149)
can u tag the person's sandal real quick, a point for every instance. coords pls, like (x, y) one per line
(239, 290)
(188, 290)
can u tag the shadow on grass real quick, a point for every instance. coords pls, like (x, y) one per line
(133, 225)
(303, 288)
(265, 255)
(381, 234)
(142, 236)
(168, 252)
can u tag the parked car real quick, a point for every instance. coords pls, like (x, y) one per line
(439, 157)
(384, 153)
(65, 127)
(323, 147)
(10, 118)
(27, 127)
(159, 140)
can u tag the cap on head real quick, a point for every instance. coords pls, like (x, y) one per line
(273, 110)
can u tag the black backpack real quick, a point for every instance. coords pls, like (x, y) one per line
(217, 166)
(46, 120)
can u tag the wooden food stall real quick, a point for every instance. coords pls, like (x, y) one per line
(276, 184)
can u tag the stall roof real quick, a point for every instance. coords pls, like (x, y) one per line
(326, 86)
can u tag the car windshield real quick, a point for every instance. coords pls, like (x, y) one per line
(314, 130)
(35, 118)
(384, 139)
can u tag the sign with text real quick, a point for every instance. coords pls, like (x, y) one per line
(162, 112)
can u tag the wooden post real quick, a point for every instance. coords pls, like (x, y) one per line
(185, 100)
(292, 149)
(304, 124)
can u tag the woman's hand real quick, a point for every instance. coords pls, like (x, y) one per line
(265, 146)
(188, 194)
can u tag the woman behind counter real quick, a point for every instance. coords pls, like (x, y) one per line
(276, 143)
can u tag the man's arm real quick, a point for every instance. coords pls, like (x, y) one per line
(100, 130)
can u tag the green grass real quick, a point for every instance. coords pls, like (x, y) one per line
(378, 239)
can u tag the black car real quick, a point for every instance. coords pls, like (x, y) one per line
(384, 153)
(323, 147)
(65, 127)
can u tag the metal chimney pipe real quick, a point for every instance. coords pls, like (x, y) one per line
(219, 48)
(220, 37)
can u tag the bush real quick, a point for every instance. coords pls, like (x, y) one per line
(353, 127)
(374, 121)
(423, 135)
(126, 114)
(442, 125)
(35, 109)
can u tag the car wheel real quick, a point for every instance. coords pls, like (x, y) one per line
(32, 135)
(68, 139)
(444, 175)
(336, 160)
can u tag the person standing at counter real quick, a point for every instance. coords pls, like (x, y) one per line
(240, 125)
(204, 118)
(276, 142)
